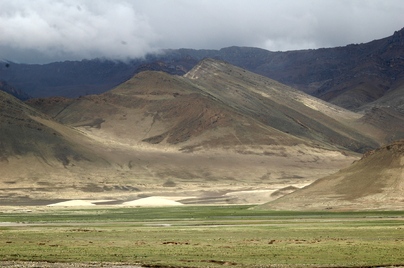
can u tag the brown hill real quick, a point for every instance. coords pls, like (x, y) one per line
(214, 105)
(37, 153)
(217, 130)
(157, 108)
(280, 106)
(109, 153)
(25, 131)
(374, 182)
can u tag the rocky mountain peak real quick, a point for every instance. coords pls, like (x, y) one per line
(398, 36)
(204, 66)
(395, 43)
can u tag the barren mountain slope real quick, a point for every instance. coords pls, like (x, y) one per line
(110, 153)
(39, 153)
(374, 182)
(280, 106)
(4, 86)
(387, 112)
(366, 73)
(154, 108)
(174, 135)
(25, 131)
(214, 105)
(349, 76)
(393, 99)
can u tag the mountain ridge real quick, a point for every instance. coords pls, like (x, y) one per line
(350, 76)
(19, 94)
(92, 161)
(206, 135)
(205, 99)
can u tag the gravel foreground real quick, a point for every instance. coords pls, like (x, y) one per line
(15, 264)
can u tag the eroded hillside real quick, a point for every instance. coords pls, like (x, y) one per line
(374, 182)
(174, 135)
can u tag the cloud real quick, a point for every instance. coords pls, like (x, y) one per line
(48, 30)
(272, 24)
(80, 29)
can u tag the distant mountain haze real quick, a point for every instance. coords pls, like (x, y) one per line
(4, 86)
(350, 76)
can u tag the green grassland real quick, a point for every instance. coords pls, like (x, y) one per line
(204, 236)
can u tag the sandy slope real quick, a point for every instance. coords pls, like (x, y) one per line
(374, 182)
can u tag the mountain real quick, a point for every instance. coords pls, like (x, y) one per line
(159, 134)
(214, 104)
(37, 153)
(69, 78)
(206, 137)
(4, 86)
(351, 76)
(280, 107)
(374, 182)
(25, 131)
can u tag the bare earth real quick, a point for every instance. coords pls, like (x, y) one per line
(248, 176)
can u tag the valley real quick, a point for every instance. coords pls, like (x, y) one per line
(199, 236)
(263, 134)
(208, 133)
(217, 135)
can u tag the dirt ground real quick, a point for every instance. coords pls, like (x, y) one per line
(201, 175)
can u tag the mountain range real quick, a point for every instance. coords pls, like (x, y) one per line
(203, 130)
(214, 95)
(215, 130)
(350, 76)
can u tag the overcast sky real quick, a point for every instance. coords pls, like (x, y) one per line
(55, 30)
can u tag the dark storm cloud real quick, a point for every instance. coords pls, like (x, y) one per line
(73, 28)
(49, 30)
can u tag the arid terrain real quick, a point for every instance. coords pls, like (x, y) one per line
(207, 164)
(376, 181)
(204, 131)
(217, 135)
(162, 135)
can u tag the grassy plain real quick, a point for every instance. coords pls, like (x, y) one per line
(203, 236)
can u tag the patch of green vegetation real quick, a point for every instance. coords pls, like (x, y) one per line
(205, 237)
(180, 213)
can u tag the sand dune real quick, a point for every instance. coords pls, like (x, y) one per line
(72, 203)
(152, 201)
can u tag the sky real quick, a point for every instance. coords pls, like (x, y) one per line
(43, 31)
